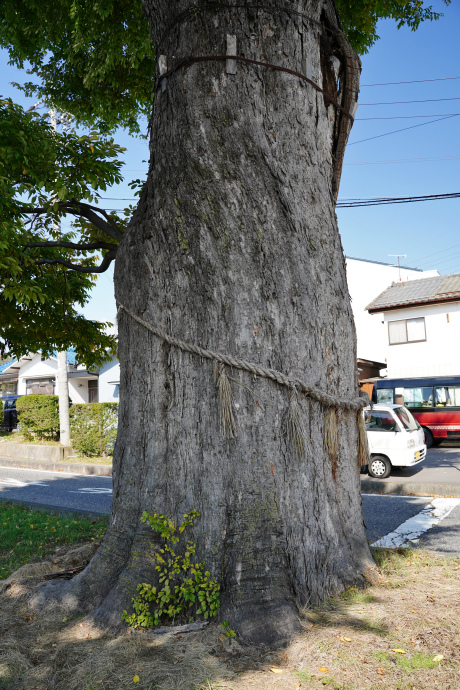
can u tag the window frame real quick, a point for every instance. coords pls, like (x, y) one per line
(407, 341)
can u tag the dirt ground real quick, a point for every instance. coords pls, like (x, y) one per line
(403, 634)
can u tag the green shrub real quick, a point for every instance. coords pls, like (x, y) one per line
(38, 416)
(187, 587)
(93, 428)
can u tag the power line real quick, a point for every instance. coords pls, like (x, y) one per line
(379, 201)
(405, 117)
(415, 81)
(406, 160)
(428, 256)
(379, 136)
(427, 100)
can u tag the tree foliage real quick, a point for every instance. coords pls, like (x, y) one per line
(360, 17)
(46, 177)
(94, 58)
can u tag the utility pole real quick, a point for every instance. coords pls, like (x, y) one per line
(63, 381)
(399, 256)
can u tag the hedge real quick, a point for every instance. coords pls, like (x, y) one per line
(93, 428)
(38, 416)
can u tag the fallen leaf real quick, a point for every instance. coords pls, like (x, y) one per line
(275, 669)
(345, 639)
(136, 679)
(431, 599)
(380, 671)
(438, 657)
(298, 685)
(323, 669)
(398, 651)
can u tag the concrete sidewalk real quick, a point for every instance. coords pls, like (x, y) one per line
(437, 475)
(58, 466)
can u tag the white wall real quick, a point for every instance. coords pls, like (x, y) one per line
(35, 369)
(439, 355)
(366, 281)
(110, 371)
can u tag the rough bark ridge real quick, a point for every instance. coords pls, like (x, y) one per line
(235, 247)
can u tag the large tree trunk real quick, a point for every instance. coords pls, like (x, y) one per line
(235, 247)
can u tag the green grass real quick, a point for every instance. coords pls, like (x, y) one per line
(27, 534)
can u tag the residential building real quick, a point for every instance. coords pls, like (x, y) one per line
(37, 374)
(365, 280)
(422, 326)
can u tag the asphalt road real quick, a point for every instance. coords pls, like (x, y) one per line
(83, 493)
(401, 517)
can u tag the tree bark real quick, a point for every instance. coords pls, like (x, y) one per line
(235, 247)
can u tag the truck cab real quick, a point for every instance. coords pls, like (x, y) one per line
(395, 439)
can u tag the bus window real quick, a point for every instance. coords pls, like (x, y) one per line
(377, 420)
(385, 395)
(418, 397)
(448, 396)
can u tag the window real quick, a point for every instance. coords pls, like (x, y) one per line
(406, 331)
(385, 395)
(448, 396)
(418, 397)
(377, 420)
(8, 388)
(40, 386)
(406, 419)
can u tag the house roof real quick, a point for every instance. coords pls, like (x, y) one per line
(5, 365)
(418, 292)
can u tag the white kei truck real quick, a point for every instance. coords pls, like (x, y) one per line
(395, 439)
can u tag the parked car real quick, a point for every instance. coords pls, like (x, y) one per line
(10, 415)
(395, 439)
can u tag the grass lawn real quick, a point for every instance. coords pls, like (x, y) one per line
(400, 634)
(27, 534)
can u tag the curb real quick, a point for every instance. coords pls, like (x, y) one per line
(76, 467)
(376, 486)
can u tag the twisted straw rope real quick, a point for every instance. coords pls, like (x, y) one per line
(330, 400)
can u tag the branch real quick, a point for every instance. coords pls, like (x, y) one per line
(72, 245)
(108, 258)
(77, 208)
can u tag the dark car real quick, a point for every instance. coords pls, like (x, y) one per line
(10, 415)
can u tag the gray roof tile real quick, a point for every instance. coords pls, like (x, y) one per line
(436, 289)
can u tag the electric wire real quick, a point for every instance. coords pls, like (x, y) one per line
(380, 201)
(427, 100)
(414, 81)
(404, 129)
(405, 117)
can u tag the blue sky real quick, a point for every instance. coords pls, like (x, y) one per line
(426, 232)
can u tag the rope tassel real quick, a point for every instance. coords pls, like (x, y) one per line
(331, 432)
(296, 433)
(227, 413)
(363, 447)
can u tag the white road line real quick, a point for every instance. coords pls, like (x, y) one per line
(411, 530)
(17, 483)
(95, 490)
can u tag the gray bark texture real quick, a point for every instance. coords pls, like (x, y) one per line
(235, 247)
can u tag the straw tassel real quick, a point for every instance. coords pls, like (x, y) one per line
(363, 447)
(296, 433)
(227, 413)
(331, 432)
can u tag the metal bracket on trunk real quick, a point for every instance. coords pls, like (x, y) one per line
(231, 50)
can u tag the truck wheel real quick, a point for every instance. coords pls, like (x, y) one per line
(379, 467)
(428, 437)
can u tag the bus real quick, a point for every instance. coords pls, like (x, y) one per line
(434, 401)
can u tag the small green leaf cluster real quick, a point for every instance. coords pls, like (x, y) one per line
(229, 632)
(93, 428)
(38, 416)
(183, 585)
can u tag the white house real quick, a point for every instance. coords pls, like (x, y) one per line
(366, 279)
(422, 326)
(36, 374)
